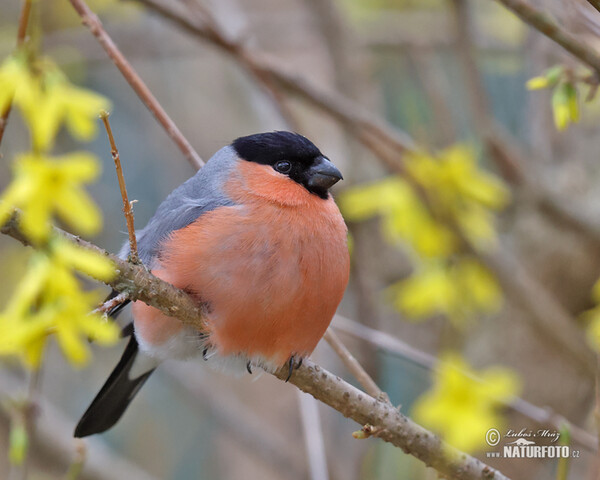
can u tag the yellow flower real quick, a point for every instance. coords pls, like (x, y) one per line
(565, 105)
(47, 100)
(49, 301)
(462, 404)
(16, 82)
(44, 186)
(459, 190)
(404, 217)
(547, 80)
(592, 318)
(60, 101)
(460, 291)
(537, 83)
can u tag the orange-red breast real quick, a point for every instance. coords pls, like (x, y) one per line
(257, 239)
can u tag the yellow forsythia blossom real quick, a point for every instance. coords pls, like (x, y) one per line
(459, 189)
(592, 317)
(565, 105)
(548, 79)
(459, 290)
(463, 404)
(565, 101)
(405, 218)
(47, 100)
(49, 301)
(44, 186)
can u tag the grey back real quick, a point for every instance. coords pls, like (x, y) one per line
(201, 193)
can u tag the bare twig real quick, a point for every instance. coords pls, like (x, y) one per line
(54, 440)
(310, 378)
(546, 25)
(91, 20)
(395, 346)
(112, 303)
(21, 36)
(595, 4)
(313, 437)
(127, 210)
(354, 366)
(76, 466)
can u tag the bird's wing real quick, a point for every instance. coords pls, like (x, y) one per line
(200, 194)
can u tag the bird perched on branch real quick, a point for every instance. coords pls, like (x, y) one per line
(256, 238)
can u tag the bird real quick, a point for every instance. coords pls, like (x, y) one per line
(256, 239)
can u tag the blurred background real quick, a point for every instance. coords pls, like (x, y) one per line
(446, 73)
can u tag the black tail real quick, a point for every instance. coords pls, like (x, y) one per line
(114, 397)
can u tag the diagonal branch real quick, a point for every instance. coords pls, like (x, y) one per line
(595, 4)
(389, 424)
(542, 22)
(91, 20)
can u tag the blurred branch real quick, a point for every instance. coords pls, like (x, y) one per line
(542, 22)
(313, 437)
(236, 418)
(127, 210)
(393, 426)
(430, 76)
(354, 366)
(542, 416)
(53, 440)
(21, 35)
(478, 103)
(336, 105)
(91, 20)
(595, 4)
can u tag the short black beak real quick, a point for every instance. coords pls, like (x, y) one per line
(323, 174)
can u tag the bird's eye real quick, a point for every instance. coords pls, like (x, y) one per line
(284, 166)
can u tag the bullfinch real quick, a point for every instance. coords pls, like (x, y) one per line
(257, 240)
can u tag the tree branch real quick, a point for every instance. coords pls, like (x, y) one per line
(127, 210)
(91, 20)
(595, 4)
(549, 27)
(392, 426)
(543, 416)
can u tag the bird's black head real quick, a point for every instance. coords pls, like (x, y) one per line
(292, 155)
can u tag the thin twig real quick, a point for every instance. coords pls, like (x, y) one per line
(313, 437)
(127, 209)
(595, 4)
(394, 427)
(112, 303)
(546, 25)
(76, 466)
(91, 20)
(54, 440)
(21, 36)
(354, 366)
